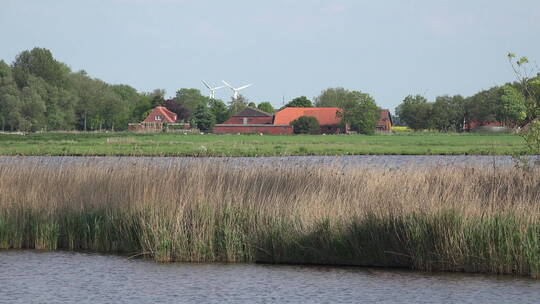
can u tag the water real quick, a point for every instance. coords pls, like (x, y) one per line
(64, 277)
(351, 161)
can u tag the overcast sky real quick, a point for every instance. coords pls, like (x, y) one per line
(388, 49)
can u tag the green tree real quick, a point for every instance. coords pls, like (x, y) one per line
(39, 62)
(301, 102)
(512, 110)
(157, 98)
(238, 104)
(482, 106)
(203, 119)
(10, 115)
(363, 115)
(219, 110)
(448, 113)
(336, 97)
(266, 107)
(305, 125)
(252, 105)
(416, 112)
(191, 99)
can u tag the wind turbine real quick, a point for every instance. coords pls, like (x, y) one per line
(212, 90)
(236, 90)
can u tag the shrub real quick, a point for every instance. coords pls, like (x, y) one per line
(305, 125)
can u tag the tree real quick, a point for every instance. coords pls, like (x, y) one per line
(482, 106)
(512, 110)
(157, 98)
(39, 62)
(415, 111)
(305, 125)
(362, 116)
(528, 85)
(237, 104)
(530, 90)
(335, 97)
(203, 119)
(448, 113)
(219, 110)
(252, 105)
(191, 99)
(266, 107)
(181, 111)
(302, 102)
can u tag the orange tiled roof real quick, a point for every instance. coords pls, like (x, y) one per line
(168, 116)
(325, 116)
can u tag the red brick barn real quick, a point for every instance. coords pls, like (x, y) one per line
(252, 120)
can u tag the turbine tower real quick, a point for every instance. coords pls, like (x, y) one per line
(212, 90)
(236, 90)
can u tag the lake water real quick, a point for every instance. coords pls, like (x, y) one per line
(65, 277)
(351, 161)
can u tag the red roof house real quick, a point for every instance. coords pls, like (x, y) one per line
(251, 120)
(160, 115)
(327, 117)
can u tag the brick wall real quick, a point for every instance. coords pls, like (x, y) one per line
(268, 129)
(252, 120)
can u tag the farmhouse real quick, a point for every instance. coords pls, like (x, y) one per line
(251, 120)
(156, 120)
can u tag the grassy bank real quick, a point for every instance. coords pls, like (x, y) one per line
(129, 144)
(471, 220)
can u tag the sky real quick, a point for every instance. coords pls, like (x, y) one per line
(389, 49)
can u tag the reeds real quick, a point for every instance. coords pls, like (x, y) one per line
(440, 219)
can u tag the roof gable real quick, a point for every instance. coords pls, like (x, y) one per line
(325, 115)
(252, 112)
(167, 115)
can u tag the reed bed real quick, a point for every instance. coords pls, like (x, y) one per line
(432, 219)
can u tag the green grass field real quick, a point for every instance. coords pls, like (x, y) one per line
(175, 144)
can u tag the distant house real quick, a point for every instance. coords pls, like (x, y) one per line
(251, 120)
(328, 118)
(157, 120)
(385, 122)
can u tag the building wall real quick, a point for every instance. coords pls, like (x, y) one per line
(384, 125)
(269, 129)
(253, 120)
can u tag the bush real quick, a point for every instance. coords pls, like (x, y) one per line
(305, 125)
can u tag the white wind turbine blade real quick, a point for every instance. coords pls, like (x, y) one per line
(244, 87)
(221, 87)
(230, 86)
(207, 85)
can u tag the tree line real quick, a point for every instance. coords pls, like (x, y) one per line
(509, 104)
(39, 93)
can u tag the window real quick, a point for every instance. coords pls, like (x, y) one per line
(245, 120)
(159, 117)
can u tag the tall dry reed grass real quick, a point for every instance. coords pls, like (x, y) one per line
(445, 219)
